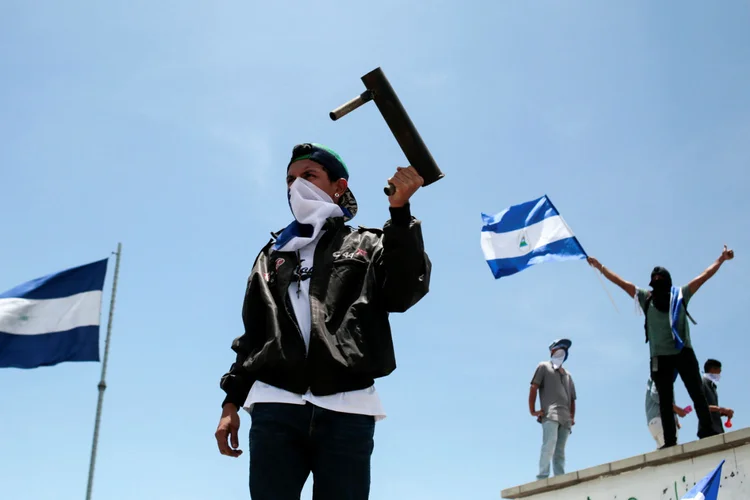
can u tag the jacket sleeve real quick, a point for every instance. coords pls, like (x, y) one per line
(236, 383)
(405, 267)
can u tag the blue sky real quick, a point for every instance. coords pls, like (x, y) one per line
(168, 125)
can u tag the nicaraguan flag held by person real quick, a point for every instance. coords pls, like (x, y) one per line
(53, 319)
(527, 234)
(707, 488)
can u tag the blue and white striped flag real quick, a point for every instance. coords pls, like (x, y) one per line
(53, 319)
(527, 234)
(707, 488)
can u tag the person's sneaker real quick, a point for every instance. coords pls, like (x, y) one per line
(667, 446)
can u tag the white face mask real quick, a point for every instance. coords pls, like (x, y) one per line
(309, 203)
(557, 359)
(713, 377)
(311, 206)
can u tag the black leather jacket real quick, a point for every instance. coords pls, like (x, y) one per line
(359, 276)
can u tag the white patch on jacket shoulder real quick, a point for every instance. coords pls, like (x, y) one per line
(360, 252)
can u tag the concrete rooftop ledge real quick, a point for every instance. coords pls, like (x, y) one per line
(675, 454)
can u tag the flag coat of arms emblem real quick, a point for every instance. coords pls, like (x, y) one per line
(525, 235)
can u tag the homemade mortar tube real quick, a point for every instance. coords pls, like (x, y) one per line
(350, 106)
(379, 90)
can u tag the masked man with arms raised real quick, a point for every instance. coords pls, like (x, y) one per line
(668, 335)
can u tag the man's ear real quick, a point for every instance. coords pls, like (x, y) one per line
(341, 186)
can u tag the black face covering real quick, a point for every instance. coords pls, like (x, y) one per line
(661, 282)
(661, 295)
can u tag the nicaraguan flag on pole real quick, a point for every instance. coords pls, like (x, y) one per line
(53, 319)
(527, 234)
(707, 488)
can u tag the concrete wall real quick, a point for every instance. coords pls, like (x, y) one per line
(662, 475)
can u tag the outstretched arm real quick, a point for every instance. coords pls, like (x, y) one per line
(625, 285)
(705, 275)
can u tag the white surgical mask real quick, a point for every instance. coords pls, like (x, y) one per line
(557, 359)
(713, 377)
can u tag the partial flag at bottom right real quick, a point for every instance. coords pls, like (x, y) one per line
(707, 488)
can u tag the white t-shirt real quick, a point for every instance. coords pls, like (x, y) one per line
(361, 402)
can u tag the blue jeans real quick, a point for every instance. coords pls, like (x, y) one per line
(554, 437)
(288, 442)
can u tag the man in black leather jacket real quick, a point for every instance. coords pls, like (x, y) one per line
(317, 333)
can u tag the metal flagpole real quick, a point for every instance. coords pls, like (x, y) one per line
(102, 383)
